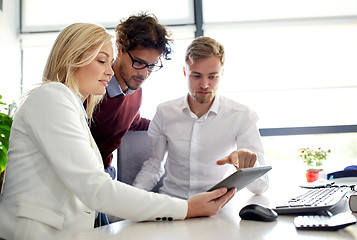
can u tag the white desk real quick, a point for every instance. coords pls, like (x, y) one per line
(225, 225)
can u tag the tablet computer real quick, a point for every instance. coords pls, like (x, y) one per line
(241, 178)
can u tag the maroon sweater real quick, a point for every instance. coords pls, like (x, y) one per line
(112, 118)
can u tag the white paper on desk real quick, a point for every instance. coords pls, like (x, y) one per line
(318, 183)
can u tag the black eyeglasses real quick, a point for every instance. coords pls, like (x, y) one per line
(136, 64)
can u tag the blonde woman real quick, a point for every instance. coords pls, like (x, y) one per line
(54, 179)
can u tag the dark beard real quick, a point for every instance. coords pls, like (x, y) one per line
(131, 87)
(126, 79)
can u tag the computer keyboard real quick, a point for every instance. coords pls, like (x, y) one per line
(313, 200)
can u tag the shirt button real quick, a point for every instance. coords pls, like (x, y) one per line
(170, 218)
(164, 218)
(158, 219)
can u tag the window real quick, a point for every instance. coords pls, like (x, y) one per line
(281, 60)
(108, 13)
(228, 11)
(283, 150)
(294, 64)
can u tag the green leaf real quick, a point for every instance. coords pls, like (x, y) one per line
(5, 127)
(2, 160)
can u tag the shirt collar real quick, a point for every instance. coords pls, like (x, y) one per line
(114, 88)
(82, 107)
(214, 108)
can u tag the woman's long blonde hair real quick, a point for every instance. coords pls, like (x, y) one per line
(67, 55)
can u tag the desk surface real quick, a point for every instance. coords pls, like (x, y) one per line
(226, 224)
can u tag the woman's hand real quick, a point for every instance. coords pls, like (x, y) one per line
(208, 203)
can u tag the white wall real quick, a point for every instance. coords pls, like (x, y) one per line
(10, 53)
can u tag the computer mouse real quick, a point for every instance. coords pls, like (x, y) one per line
(352, 167)
(257, 212)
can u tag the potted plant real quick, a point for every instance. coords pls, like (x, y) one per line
(5, 126)
(313, 159)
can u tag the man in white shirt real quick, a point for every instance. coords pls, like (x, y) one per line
(201, 132)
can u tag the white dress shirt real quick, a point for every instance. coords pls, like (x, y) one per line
(193, 145)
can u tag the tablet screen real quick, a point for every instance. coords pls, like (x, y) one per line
(241, 178)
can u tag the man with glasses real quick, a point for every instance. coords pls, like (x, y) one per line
(141, 43)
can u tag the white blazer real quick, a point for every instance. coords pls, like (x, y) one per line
(55, 180)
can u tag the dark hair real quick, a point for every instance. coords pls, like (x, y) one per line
(144, 30)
